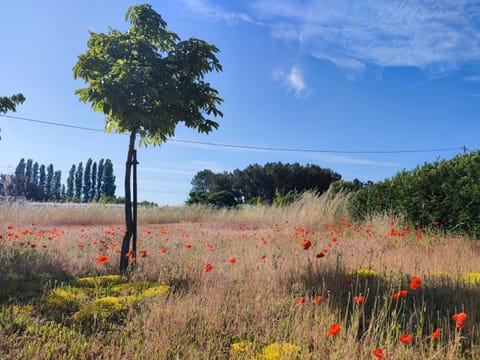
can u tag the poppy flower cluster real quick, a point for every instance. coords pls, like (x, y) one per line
(460, 320)
(415, 283)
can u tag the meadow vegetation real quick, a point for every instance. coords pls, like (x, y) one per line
(301, 281)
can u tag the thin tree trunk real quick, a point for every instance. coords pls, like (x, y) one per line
(134, 233)
(128, 207)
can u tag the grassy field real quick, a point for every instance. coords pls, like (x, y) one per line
(296, 282)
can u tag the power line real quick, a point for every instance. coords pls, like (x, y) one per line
(249, 147)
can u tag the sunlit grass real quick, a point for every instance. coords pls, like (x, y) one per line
(306, 283)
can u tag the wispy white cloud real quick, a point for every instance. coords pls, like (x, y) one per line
(292, 78)
(437, 35)
(473, 78)
(209, 10)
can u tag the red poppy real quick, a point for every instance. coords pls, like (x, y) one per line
(320, 255)
(405, 338)
(188, 246)
(80, 246)
(379, 353)
(399, 294)
(232, 260)
(306, 244)
(358, 299)
(133, 259)
(460, 319)
(208, 267)
(130, 253)
(101, 259)
(436, 333)
(334, 329)
(415, 283)
(300, 300)
(163, 250)
(317, 299)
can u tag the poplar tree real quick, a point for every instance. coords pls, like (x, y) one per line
(93, 188)
(71, 183)
(35, 173)
(146, 81)
(79, 182)
(29, 171)
(98, 193)
(49, 191)
(57, 186)
(108, 181)
(42, 181)
(87, 181)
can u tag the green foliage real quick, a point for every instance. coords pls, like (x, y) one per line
(9, 103)
(146, 80)
(273, 180)
(221, 199)
(447, 192)
(283, 200)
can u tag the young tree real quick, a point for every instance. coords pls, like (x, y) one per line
(70, 183)
(87, 181)
(146, 80)
(78, 182)
(98, 192)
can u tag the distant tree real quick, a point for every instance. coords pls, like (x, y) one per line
(146, 81)
(57, 186)
(98, 192)
(222, 199)
(64, 192)
(93, 188)
(108, 181)
(78, 182)
(87, 181)
(35, 173)
(29, 171)
(70, 193)
(197, 197)
(49, 190)
(20, 180)
(42, 180)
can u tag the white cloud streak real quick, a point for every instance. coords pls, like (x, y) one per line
(433, 35)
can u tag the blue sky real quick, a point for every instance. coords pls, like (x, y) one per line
(309, 74)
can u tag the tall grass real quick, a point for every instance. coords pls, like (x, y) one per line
(239, 308)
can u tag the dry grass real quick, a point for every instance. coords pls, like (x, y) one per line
(254, 299)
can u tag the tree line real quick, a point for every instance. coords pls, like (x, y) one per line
(272, 183)
(38, 182)
(445, 193)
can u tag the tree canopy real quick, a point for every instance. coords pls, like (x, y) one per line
(146, 80)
